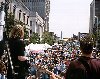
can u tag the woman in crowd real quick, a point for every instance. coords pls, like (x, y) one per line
(17, 48)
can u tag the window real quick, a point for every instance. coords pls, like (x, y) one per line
(14, 9)
(42, 0)
(27, 19)
(24, 17)
(30, 23)
(20, 14)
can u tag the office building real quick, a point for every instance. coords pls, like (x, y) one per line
(42, 7)
(94, 28)
(94, 16)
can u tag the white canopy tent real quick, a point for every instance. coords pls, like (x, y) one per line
(37, 47)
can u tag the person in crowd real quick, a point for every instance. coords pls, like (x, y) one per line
(17, 49)
(85, 67)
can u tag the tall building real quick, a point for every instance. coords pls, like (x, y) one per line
(36, 24)
(95, 21)
(20, 13)
(61, 35)
(42, 7)
(94, 15)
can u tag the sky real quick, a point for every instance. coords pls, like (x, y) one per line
(69, 16)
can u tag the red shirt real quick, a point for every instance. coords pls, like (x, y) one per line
(76, 69)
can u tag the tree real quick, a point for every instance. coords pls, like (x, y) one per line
(35, 38)
(26, 34)
(10, 22)
(94, 39)
(47, 38)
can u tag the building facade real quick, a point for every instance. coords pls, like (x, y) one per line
(95, 21)
(20, 12)
(94, 16)
(31, 20)
(42, 7)
(37, 22)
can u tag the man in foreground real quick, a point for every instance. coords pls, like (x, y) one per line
(85, 67)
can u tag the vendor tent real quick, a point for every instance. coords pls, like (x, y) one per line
(37, 47)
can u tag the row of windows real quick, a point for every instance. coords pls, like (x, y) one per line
(33, 0)
(37, 0)
(23, 17)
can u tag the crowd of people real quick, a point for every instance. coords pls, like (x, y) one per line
(74, 60)
(58, 59)
(55, 59)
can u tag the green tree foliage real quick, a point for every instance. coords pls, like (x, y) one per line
(9, 23)
(35, 38)
(47, 38)
(26, 34)
(94, 39)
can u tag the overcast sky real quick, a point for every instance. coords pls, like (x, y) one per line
(69, 16)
